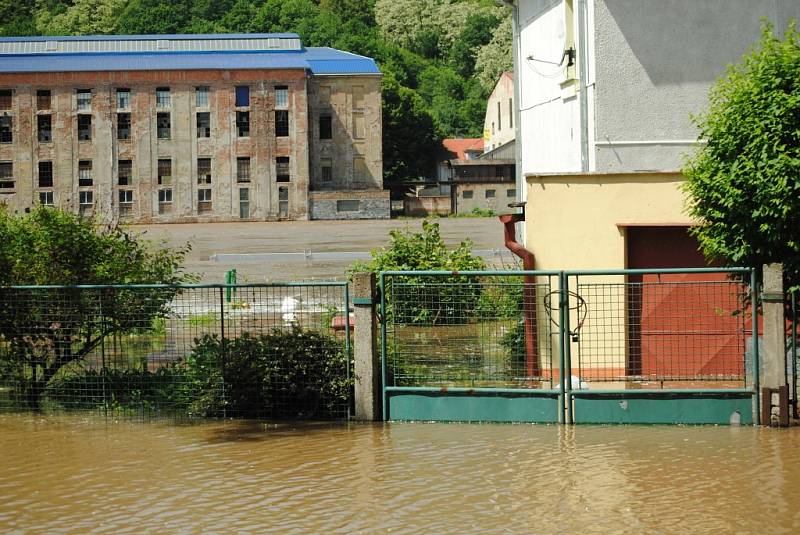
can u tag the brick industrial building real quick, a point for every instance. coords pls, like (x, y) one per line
(181, 128)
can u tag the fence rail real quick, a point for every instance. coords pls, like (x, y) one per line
(255, 350)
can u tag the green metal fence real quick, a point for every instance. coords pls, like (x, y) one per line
(580, 346)
(254, 350)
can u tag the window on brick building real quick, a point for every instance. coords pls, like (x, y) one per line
(467, 194)
(282, 169)
(325, 127)
(44, 127)
(6, 129)
(125, 197)
(201, 96)
(244, 203)
(162, 97)
(281, 97)
(84, 127)
(163, 126)
(326, 169)
(359, 127)
(164, 171)
(124, 172)
(358, 97)
(510, 193)
(165, 196)
(6, 175)
(490, 193)
(204, 170)
(203, 124)
(242, 96)
(123, 126)
(204, 200)
(85, 173)
(85, 198)
(123, 98)
(5, 99)
(243, 123)
(348, 205)
(243, 169)
(281, 123)
(43, 99)
(283, 202)
(84, 99)
(45, 174)
(46, 198)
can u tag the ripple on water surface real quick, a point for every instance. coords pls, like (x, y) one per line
(75, 474)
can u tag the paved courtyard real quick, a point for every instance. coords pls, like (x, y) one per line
(257, 246)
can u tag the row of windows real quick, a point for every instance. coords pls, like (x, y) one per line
(488, 194)
(164, 172)
(44, 125)
(83, 98)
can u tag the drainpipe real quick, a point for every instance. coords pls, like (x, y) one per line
(528, 290)
(583, 64)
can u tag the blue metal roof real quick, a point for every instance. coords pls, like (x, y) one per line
(316, 60)
(151, 37)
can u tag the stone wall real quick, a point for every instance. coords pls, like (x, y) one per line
(371, 204)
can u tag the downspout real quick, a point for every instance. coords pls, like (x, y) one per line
(583, 63)
(528, 290)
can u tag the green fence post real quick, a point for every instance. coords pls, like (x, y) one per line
(567, 354)
(347, 347)
(562, 303)
(756, 363)
(222, 345)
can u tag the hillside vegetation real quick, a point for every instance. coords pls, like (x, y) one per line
(440, 58)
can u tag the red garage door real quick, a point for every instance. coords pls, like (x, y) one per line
(661, 340)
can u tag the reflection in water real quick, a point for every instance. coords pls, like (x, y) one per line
(75, 474)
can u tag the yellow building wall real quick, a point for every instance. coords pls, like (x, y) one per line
(577, 221)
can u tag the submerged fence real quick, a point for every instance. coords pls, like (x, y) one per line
(254, 350)
(586, 340)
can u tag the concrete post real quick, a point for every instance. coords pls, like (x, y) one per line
(774, 390)
(367, 365)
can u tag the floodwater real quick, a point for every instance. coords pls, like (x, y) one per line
(77, 474)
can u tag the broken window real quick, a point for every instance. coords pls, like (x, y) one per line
(84, 127)
(5, 99)
(163, 126)
(6, 175)
(124, 172)
(204, 170)
(164, 171)
(84, 99)
(85, 173)
(203, 124)
(123, 98)
(243, 123)
(123, 126)
(282, 169)
(6, 129)
(281, 123)
(43, 99)
(45, 174)
(243, 169)
(162, 97)
(44, 125)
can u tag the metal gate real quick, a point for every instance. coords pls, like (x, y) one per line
(624, 346)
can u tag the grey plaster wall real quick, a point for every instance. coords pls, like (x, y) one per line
(655, 61)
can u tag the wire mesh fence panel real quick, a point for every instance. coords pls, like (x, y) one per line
(249, 350)
(468, 331)
(661, 330)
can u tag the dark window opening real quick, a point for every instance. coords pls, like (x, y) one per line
(45, 174)
(282, 169)
(243, 169)
(124, 172)
(6, 129)
(44, 125)
(43, 98)
(6, 175)
(348, 205)
(203, 124)
(281, 123)
(123, 126)
(204, 170)
(325, 127)
(5, 99)
(163, 126)
(84, 127)
(243, 123)
(164, 171)
(242, 96)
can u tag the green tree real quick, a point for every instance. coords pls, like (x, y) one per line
(427, 299)
(495, 57)
(744, 183)
(96, 17)
(45, 330)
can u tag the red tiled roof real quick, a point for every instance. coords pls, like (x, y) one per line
(459, 147)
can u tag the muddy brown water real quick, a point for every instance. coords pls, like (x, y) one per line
(78, 474)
